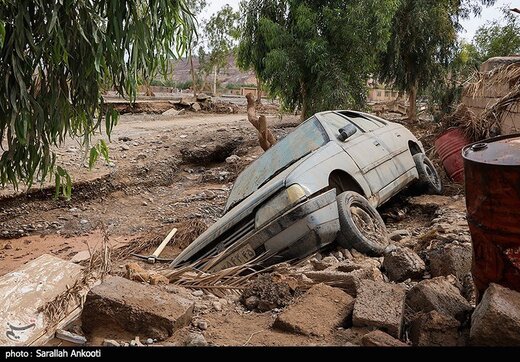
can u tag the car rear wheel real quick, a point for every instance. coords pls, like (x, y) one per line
(429, 180)
(361, 225)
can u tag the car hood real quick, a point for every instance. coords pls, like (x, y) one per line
(239, 212)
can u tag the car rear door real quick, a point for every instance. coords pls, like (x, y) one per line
(368, 152)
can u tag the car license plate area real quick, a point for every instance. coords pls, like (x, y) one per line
(239, 257)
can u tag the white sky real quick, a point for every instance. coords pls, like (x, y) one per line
(470, 25)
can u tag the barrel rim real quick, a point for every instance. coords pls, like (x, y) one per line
(446, 131)
(488, 140)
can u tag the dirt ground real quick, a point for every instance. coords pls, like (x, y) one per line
(167, 172)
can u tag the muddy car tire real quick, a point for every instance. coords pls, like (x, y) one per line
(362, 228)
(429, 180)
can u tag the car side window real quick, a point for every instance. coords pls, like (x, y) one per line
(335, 122)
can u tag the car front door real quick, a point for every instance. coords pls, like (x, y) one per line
(368, 152)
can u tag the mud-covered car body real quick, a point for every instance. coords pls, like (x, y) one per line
(283, 205)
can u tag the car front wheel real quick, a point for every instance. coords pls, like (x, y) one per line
(429, 180)
(361, 225)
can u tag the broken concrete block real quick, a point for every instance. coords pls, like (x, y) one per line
(196, 107)
(172, 112)
(349, 282)
(135, 307)
(381, 339)
(496, 320)
(324, 263)
(438, 294)
(349, 265)
(317, 312)
(403, 263)
(380, 305)
(434, 329)
(454, 259)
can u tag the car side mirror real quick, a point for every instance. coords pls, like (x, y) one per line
(346, 132)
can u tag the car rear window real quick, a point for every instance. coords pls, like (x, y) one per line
(366, 124)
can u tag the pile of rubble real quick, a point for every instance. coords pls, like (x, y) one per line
(202, 102)
(420, 293)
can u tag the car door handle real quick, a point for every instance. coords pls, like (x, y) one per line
(377, 143)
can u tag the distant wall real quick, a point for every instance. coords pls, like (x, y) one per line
(490, 95)
(381, 95)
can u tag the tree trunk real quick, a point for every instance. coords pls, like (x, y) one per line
(304, 101)
(412, 107)
(258, 91)
(192, 70)
(215, 81)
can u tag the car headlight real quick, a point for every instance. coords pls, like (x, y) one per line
(280, 203)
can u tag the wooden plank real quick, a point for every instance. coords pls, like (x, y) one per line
(26, 290)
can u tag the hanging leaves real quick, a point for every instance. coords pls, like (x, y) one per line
(56, 58)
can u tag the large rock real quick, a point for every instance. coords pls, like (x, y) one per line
(438, 294)
(496, 320)
(380, 305)
(349, 282)
(434, 329)
(381, 339)
(317, 312)
(137, 308)
(403, 263)
(454, 259)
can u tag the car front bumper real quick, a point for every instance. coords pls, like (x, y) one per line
(297, 233)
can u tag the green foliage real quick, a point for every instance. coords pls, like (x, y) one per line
(498, 38)
(423, 50)
(221, 34)
(56, 57)
(315, 55)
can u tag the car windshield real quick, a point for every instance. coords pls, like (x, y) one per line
(306, 138)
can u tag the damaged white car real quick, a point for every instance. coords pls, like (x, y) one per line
(319, 184)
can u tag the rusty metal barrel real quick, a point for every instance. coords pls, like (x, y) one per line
(448, 146)
(492, 180)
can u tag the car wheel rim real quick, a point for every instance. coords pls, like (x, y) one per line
(432, 175)
(366, 224)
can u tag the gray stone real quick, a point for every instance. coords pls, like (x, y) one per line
(381, 339)
(202, 324)
(149, 341)
(196, 340)
(438, 294)
(379, 304)
(317, 313)
(125, 147)
(233, 159)
(403, 263)
(141, 156)
(135, 307)
(496, 320)
(434, 329)
(451, 259)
